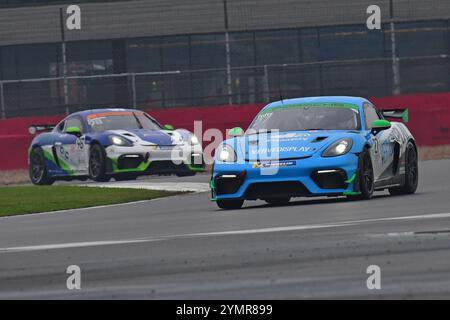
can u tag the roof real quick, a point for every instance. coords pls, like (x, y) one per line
(85, 113)
(326, 99)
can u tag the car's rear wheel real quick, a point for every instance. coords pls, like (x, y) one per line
(230, 204)
(278, 201)
(411, 172)
(38, 169)
(97, 164)
(365, 177)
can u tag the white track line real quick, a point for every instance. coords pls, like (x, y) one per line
(196, 187)
(219, 233)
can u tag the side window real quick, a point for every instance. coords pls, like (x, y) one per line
(370, 115)
(73, 122)
(61, 126)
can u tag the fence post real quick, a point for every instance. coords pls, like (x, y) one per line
(64, 62)
(2, 101)
(395, 62)
(266, 84)
(228, 54)
(133, 88)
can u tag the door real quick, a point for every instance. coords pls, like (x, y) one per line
(382, 150)
(71, 149)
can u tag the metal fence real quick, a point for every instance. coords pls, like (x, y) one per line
(243, 85)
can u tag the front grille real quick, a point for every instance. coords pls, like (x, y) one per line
(167, 166)
(330, 180)
(227, 185)
(127, 162)
(265, 190)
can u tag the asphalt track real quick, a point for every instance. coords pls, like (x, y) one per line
(185, 248)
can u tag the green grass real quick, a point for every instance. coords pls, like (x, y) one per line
(31, 199)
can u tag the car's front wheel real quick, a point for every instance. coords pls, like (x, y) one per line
(365, 177)
(230, 204)
(97, 164)
(38, 169)
(411, 172)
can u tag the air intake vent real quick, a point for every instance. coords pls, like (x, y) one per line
(129, 135)
(319, 139)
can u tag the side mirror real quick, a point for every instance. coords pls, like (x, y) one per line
(168, 127)
(236, 132)
(74, 131)
(380, 125)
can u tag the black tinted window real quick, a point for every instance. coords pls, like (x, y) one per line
(302, 117)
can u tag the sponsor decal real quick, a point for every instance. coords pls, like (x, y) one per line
(271, 164)
(291, 136)
(276, 150)
(165, 147)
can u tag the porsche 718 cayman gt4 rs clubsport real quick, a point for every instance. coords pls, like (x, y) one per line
(323, 146)
(104, 143)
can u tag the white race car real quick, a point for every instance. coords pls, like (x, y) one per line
(105, 143)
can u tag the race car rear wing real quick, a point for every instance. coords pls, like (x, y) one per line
(396, 114)
(35, 128)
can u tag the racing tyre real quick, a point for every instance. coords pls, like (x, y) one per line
(230, 204)
(38, 170)
(365, 177)
(411, 172)
(97, 164)
(278, 201)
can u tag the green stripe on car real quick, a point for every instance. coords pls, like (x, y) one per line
(312, 105)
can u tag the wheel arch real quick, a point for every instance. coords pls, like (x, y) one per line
(414, 143)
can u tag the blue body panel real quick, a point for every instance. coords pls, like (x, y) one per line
(299, 154)
(301, 171)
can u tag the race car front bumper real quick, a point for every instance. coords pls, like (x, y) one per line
(307, 177)
(146, 160)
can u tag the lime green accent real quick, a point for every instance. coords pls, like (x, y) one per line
(312, 105)
(168, 127)
(405, 116)
(64, 166)
(48, 156)
(351, 193)
(73, 130)
(381, 124)
(141, 168)
(351, 179)
(195, 168)
(213, 188)
(236, 132)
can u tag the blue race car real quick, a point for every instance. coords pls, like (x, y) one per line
(105, 143)
(322, 146)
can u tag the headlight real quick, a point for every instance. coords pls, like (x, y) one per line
(119, 141)
(227, 154)
(194, 140)
(338, 148)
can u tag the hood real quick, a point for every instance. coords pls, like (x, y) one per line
(146, 137)
(286, 145)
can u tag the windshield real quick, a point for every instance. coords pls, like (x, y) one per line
(307, 117)
(121, 121)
